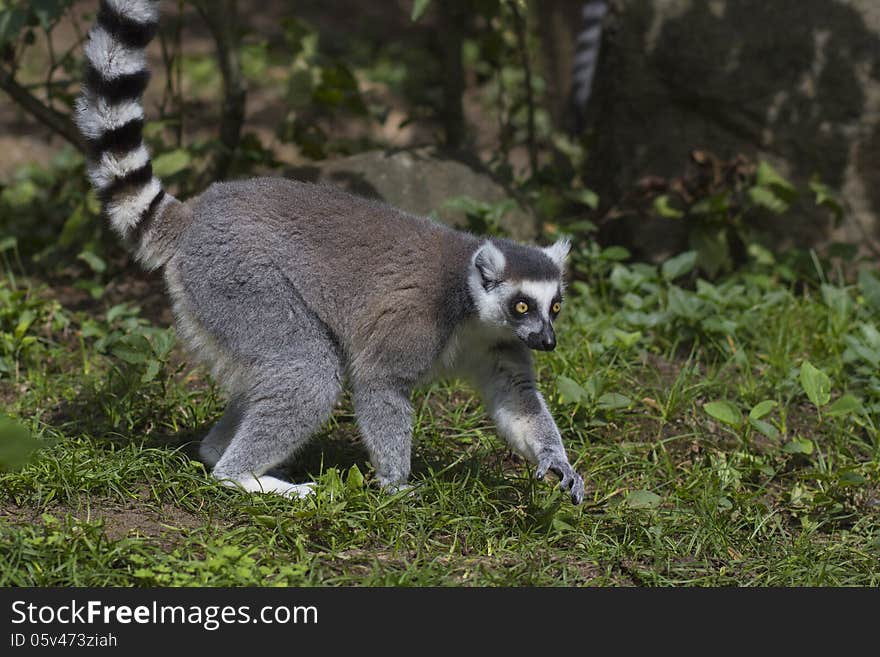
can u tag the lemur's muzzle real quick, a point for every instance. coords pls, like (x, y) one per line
(543, 340)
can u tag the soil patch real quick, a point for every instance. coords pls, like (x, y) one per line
(133, 519)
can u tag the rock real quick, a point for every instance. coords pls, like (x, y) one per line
(796, 82)
(419, 181)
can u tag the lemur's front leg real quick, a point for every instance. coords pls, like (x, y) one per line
(507, 382)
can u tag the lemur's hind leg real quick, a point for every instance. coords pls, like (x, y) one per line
(215, 443)
(287, 402)
(384, 415)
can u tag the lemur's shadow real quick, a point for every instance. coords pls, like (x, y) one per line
(337, 445)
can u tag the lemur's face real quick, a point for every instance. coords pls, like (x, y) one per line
(508, 298)
(532, 307)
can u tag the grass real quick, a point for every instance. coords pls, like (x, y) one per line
(713, 454)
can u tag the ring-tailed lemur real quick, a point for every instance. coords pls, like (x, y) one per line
(587, 45)
(287, 288)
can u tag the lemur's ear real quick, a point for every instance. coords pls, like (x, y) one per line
(489, 262)
(558, 252)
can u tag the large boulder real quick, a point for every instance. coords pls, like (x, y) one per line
(420, 181)
(796, 82)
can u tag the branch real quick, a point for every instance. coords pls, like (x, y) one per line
(59, 123)
(221, 18)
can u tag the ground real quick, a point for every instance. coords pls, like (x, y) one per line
(726, 432)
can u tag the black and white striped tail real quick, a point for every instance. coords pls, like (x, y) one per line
(110, 115)
(587, 55)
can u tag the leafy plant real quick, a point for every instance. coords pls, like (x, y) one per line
(724, 205)
(483, 218)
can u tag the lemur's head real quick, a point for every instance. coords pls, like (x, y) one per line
(519, 288)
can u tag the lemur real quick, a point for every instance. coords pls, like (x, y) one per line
(587, 46)
(287, 290)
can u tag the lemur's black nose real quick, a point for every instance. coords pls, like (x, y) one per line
(544, 341)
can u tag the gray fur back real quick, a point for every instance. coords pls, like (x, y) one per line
(389, 287)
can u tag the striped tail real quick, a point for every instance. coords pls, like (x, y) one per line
(110, 115)
(587, 56)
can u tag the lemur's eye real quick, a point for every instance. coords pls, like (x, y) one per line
(521, 307)
(556, 307)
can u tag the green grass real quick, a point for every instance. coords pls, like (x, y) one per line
(678, 493)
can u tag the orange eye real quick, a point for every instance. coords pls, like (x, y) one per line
(522, 307)
(556, 307)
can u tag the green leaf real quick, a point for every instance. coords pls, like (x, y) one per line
(612, 401)
(869, 286)
(815, 383)
(582, 226)
(712, 247)
(95, 263)
(827, 199)
(355, 479)
(75, 226)
(615, 253)
(798, 446)
(133, 349)
(254, 60)
(846, 405)
(724, 412)
(25, 319)
(850, 478)
(585, 197)
(570, 391)
(627, 339)
(643, 499)
(761, 255)
(767, 176)
(679, 265)
(664, 209)
(12, 20)
(763, 427)
(761, 409)
(766, 198)
(8, 244)
(16, 444)
(163, 343)
(171, 162)
(153, 368)
(682, 303)
(21, 193)
(419, 7)
(837, 299)
(717, 205)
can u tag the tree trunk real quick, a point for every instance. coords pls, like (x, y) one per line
(452, 20)
(221, 16)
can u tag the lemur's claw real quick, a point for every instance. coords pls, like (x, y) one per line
(568, 479)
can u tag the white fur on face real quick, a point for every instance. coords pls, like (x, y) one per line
(543, 292)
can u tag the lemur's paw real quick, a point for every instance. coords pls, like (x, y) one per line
(568, 479)
(392, 487)
(267, 484)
